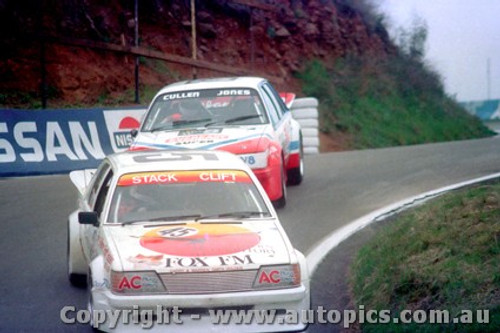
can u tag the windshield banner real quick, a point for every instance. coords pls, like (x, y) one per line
(176, 177)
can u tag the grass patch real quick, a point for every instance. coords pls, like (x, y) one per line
(443, 255)
(25, 99)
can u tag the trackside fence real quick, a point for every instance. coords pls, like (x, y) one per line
(36, 142)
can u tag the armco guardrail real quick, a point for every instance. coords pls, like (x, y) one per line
(58, 141)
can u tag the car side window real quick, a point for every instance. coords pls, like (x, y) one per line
(282, 106)
(273, 113)
(98, 178)
(276, 102)
(103, 193)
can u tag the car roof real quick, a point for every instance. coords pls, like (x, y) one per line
(172, 160)
(211, 83)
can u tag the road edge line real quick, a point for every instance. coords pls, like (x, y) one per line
(320, 251)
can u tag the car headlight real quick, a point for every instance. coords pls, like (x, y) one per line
(256, 160)
(276, 277)
(136, 282)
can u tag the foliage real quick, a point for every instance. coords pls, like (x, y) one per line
(412, 41)
(390, 101)
(443, 255)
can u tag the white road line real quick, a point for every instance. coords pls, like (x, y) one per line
(316, 255)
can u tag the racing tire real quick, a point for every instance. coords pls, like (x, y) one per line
(76, 280)
(90, 304)
(308, 123)
(305, 102)
(296, 175)
(281, 202)
(307, 113)
(311, 142)
(310, 132)
(311, 150)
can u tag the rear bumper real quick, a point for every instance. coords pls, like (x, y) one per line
(270, 179)
(294, 161)
(196, 313)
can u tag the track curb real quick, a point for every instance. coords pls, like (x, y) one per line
(327, 244)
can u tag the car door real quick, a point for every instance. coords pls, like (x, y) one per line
(96, 202)
(280, 119)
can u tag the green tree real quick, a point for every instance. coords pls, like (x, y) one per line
(411, 41)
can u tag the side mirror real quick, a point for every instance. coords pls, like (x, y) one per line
(134, 132)
(88, 218)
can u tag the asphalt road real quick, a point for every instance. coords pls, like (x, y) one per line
(338, 188)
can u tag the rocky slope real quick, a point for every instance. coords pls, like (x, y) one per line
(267, 37)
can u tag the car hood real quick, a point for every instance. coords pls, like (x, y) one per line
(197, 246)
(238, 139)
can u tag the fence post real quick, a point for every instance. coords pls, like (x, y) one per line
(193, 36)
(136, 42)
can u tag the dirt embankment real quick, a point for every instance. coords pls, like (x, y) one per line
(268, 38)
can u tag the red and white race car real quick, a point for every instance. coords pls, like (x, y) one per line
(241, 115)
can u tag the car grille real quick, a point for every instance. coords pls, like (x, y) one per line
(208, 282)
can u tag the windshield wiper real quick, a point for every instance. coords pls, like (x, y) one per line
(188, 122)
(214, 123)
(236, 215)
(166, 219)
(233, 120)
(161, 128)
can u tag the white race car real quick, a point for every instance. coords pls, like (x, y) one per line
(241, 115)
(182, 233)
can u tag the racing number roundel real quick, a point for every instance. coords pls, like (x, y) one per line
(200, 240)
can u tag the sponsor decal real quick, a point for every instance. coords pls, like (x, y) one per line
(218, 102)
(108, 258)
(119, 126)
(198, 240)
(130, 283)
(182, 95)
(233, 92)
(49, 142)
(175, 157)
(101, 284)
(263, 250)
(276, 276)
(272, 277)
(209, 264)
(172, 177)
(196, 139)
(200, 131)
(148, 260)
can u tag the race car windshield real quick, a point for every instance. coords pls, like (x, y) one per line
(167, 196)
(207, 107)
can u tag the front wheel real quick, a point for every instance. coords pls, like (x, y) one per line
(77, 280)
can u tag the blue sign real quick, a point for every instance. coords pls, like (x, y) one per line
(484, 110)
(58, 141)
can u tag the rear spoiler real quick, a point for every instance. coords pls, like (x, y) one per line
(288, 98)
(81, 178)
